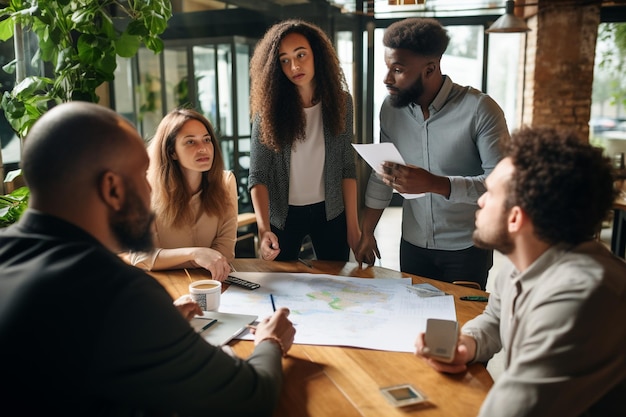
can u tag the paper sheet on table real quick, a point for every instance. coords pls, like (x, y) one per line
(341, 311)
(377, 153)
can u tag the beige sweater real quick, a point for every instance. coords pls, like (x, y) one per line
(211, 231)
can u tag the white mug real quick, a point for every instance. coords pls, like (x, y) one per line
(206, 293)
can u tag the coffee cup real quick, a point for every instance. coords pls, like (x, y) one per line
(206, 293)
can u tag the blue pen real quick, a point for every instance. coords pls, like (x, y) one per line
(273, 305)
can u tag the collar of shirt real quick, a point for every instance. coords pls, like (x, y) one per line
(529, 278)
(442, 95)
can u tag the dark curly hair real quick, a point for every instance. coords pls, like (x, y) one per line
(564, 184)
(422, 36)
(274, 99)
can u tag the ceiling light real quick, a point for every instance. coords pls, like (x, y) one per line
(508, 22)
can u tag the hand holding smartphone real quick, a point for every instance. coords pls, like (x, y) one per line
(441, 338)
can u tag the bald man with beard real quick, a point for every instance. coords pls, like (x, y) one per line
(82, 332)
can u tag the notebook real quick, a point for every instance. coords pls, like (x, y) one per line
(224, 329)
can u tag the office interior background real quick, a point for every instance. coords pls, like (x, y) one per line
(551, 75)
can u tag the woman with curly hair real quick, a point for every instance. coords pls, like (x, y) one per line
(193, 197)
(302, 168)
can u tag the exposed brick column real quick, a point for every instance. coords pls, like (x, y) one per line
(559, 65)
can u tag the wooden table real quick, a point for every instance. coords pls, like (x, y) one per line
(333, 381)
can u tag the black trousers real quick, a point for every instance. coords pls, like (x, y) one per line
(329, 238)
(471, 264)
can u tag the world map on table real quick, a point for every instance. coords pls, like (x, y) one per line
(332, 310)
(344, 296)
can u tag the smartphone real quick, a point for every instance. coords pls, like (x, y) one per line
(441, 337)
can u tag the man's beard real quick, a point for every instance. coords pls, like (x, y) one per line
(132, 225)
(408, 95)
(498, 239)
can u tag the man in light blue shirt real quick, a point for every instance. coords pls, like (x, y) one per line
(449, 137)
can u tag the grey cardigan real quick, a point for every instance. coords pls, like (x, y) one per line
(271, 169)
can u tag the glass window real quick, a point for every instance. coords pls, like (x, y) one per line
(242, 54)
(463, 60)
(607, 125)
(204, 74)
(345, 52)
(149, 92)
(176, 80)
(503, 71)
(225, 88)
(380, 70)
(123, 89)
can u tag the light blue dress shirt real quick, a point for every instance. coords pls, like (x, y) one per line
(459, 140)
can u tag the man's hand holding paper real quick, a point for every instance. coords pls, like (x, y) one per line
(413, 180)
(377, 155)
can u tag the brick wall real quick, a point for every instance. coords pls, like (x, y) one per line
(558, 68)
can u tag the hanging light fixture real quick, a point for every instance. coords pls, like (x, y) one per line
(508, 22)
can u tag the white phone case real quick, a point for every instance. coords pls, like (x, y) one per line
(441, 337)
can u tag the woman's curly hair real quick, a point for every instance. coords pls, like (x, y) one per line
(564, 184)
(170, 194)
(274, 99)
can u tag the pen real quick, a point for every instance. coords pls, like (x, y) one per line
(305, 262)
(474, 298)
(209, 324)
(273, 305)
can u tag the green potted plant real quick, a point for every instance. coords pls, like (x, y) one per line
(79, 41)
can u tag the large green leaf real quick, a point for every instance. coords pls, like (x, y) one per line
(6, 29)
(127, 45)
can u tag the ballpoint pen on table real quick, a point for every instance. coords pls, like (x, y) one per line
(209, 324)
(188, 276)
(273, 305)
(305, 262)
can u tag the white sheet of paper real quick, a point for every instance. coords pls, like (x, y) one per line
(377, 153)
(341, 311)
